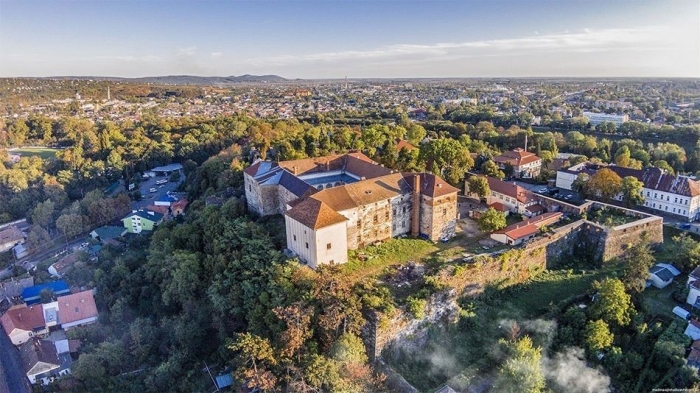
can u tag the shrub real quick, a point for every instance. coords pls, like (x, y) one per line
(416, 307)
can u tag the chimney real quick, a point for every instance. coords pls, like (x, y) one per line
(415, 219)
(295, 169)
(525, 142)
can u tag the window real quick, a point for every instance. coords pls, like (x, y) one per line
(655, 195)
(675, 200)
(386, 215)
(250, 188)
(295, 237)
(655, 206)
(404, 209)
(376, 219)
(668, 198)
(648, 193)
(307, 244)
(674, 209)
(328, 246)
(444, 212)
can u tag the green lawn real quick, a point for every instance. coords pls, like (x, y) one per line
(393, 251)
(43, 152)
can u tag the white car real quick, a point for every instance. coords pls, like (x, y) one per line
(542, 190)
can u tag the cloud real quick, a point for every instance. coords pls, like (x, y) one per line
(588, 40)
(568, 371)
(215, 55)
(189, 51)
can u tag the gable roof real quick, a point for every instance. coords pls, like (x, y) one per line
(315, 214)
(431, 185)
(109, 232)
(62, 264)
(402, 143)
(35, 350)
(151, 216)
(23, 317)
(516, 157)
(76, 307)
(531, 226)
(512, 190)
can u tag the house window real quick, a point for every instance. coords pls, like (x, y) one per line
(666, 208)
(668, 198)
(655, 195)
(655, 206)
(675, 200)
(648, 194)
(328, 246)
(307, 244)
(674, 209)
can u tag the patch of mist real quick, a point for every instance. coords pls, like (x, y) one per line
(569, 372)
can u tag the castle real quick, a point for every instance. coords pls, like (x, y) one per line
(344, 202)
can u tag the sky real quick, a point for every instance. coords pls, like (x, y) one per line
(357, 39)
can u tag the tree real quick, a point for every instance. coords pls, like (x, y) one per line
(605, 184)
(638, 259)
(491, 169)
(613, 305)
(43, 214)
(623, 156)
(450, 157)
(522, 371)
(37, 236)
(632, 191)
(255, 359)
(415, 134)
(479, 185)
(687, 252)
(492, 220)
(598, 335)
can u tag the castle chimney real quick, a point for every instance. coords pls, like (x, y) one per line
(525, 142)
(415, 219)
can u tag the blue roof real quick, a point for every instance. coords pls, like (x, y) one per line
(224, 380)
(167, 198)
(34, 293)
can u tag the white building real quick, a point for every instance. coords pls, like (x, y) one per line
(597, 118)
(515, 198)
(663, 192)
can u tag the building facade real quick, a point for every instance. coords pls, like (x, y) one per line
(524, 163)
(337, 203)
(665, 193)
(597, 118)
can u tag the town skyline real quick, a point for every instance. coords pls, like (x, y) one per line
(320, 40)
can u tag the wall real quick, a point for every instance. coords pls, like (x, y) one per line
(298, 236)
(438, 216)
(401, 208)
(374, 223)
(336, 236)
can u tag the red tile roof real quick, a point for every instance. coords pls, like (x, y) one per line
(499, 206)
(517, 157)
(511, 189)
(431, 185)
(315, 214)
(531, 226)
(23, 317)
(76, 307)
(404, 144)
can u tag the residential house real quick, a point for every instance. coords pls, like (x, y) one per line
(694, 275)
(139, 221)
(32, 295)
(60, 267)
(693, 329)
(178, 208)
(662, 274)
(106, 233)
(523, 231)
(693, 294)
(10, 237)
(39, 359)
(403, 144)
(524, 163)
(23, 322)
(515, 198)
(77, 309)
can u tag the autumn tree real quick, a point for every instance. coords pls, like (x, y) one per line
(605, 184)
(492, 220)
(637, 259)
(479, 185)
(450, 157)
(255, 358)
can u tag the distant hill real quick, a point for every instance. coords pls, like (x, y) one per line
(189, 79)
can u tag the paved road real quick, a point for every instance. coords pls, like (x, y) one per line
(12, 377)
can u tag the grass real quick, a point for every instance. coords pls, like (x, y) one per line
(393, 251)
(43, 152)
(660, 301)
(609, 217)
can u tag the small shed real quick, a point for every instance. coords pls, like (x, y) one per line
(662, 274)
(681, 312)
(693, 330)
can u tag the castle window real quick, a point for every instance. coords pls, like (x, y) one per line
(295, 237)
(404, 209)
(386, 215)
(328, 246)
(444, 212)
(250, 188)
(307, 244)
(376, 219)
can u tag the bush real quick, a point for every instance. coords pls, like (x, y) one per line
(416, 307)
